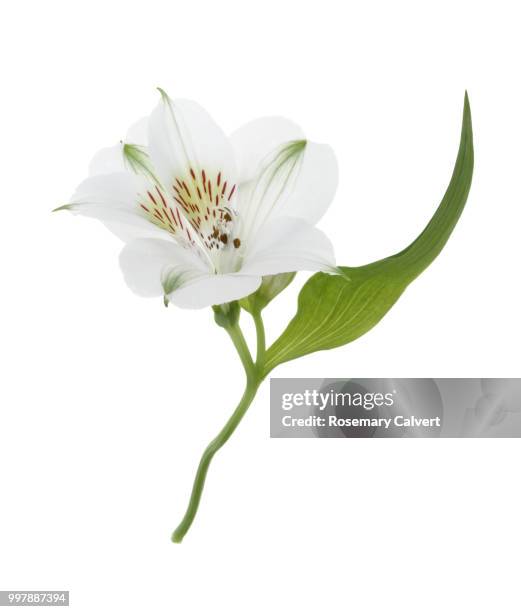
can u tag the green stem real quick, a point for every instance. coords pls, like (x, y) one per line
(261, 340)
(239, 342)
(252, 384)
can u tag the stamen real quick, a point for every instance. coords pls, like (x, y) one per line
(161, 196)
(194, 199)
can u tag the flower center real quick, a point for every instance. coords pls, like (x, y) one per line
(206, 201)
(169, 218)
(199, 212)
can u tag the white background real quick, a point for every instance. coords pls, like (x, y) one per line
(107, 399)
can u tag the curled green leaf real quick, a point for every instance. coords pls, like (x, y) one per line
(334, 310)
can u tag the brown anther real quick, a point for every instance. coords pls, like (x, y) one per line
(223, 238)
(236, 243)
(227, 217)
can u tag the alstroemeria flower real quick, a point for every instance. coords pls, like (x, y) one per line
(205, 217)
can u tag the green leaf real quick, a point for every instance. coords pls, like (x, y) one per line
(334, 310)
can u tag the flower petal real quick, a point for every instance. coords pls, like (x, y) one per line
(184, 142)
(113, 199)
(254, 141)
(108, 161)
(154, 267)
(150, 264)
(315, 186)
(289, 244)
(112, 159)
(298, 179)
(137, 133)
(214, 289)
(264, 196)
(116, 190)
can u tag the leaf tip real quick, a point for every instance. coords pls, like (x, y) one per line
(467, 117)
(163, 93)
(64, 207)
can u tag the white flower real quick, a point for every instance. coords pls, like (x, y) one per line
(205, 217)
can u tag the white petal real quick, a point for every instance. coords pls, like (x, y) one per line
(315, 186)
(288, 245)
(146, 262)
(215, 289)
(116, 190)
(108, 161)
(264, 196)
(138, 133)
(257, 139)
(113, 198)
(298, 179)
(112, 159)
(128, 226)
(184, 138)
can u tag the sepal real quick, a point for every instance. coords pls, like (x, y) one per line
(271, 286)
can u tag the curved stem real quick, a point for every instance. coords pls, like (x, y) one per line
(261, 340)
(204, 464)
(239, 342)
(252, 384)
